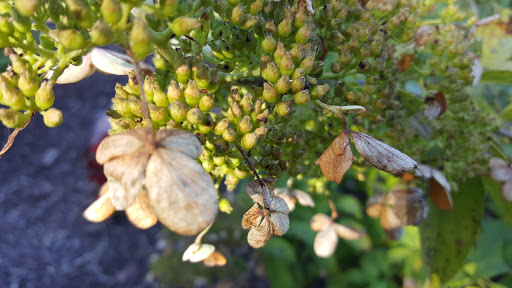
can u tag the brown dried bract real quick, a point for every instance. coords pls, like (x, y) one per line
(422, 36)
(291, 196)
(215, 259)
(328, 232)
(398, 208)
(438, 187)
(436, 106)
(337, 159)
(502, 173)
(100, 209)
(179, 191)
(381, 155)
(141, 213)
(405, 62)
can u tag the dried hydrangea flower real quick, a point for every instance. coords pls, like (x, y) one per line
(328, 232)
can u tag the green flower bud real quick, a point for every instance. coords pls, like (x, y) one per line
(207, 125)
(340, 89)
(206, 103)
(283, 109)
(240, 173)
(352, 96)
(195, 116)
(183, 73)
(20, 65)
(319, 91)
(299, 72)
(221, 146)
(224, 206)
(21, 23)
(192, 94)
(336, 67)
(246, 103)
(365, 51)
(353, 44)
(376, 47)
(256, 7)
(101, 35)
(71, 38)
(270, 72)
(345, 57)
(297, 53)
(122, 106)
(231, 181)
(52, 117)
(279, 53)
(302, 97)
(178, 111)
(245, 125)
(140, 39)
(226, 49)
(12, 118)
(270, 93)
(6, 28)
(168, 7)
(221, 126)
(308, 63)
(257, 106)
(269, 44)
(159, 97)
(286, 66)
(148, 88)
(208, 165)
(304, 34)
(27, 7)
(283, 85)
(335, 38)
(135, 106)
(229, 135)
(27, 84)
(184, 25)
(284, 29)
(363, 35)
(215, 81)
(158, 114)
(55, 9)
(237, 14)
(298, 84)
(12, 97)
(111, 11)
(249, 140)
(265, 162)
(234, 112)
(363, 99)
(203, 77)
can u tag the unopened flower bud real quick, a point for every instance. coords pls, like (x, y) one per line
(319, 91)
(365, 51)
(249, 140)
(192, 94)
(52, 117)
(303, 34)
(111, 11)
(122, 106)
(221, 126)
(27, 7)
(237, 14)
(234, 111)
(299, 72)
(269, 44)
(279, 53)
(302, 97)
(286, 66)
(101, 34)
(269, 93)
(208, 165)
(308, 63)
(12, 118)
(178, 111)
(246, 103)
(298, 84)
(20, 23)
(183, 25)
(283, 109)
(203, 77)
(283, 85)
(207, 125)
(270, 72)
(195, 116)
(27, 84)
(229, 135)
(70, 38)
(158, 114)
(335, 67)
(159, 97)
(221, 146)
(284, 29)
(44, 96)
(140, 39)
(245, 125)
(148, 88)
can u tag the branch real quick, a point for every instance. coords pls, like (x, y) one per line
(266, 196)
(13, 135)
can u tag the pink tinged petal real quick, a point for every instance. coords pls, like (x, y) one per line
(325, 243)
(128, 171)
(320, 222)
(179, 141)
(381, 155)
(279, 216)
(506, 191)
(183, 196)
(99, 210)
(258, 236)
(140, 213)
(346, 232)
(124, 143)
(73, 74)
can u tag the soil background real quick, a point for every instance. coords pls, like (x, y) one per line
(44, 189)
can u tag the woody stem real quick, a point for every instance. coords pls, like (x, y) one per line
(266, 195)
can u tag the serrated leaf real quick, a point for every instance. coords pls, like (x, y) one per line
(447, 236)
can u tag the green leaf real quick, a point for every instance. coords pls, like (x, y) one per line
(504, 208)
(447, 236)
(499, 77)
(506, 113)
(279, 257)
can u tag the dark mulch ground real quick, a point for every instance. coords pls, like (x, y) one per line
(44, 188)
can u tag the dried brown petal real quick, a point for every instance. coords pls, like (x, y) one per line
(390, 227)
(259, 235)
(381, 155)
(279, 216)
(100, 209)
(304, 198)
(122, 144)
(346, 232)
(252, 217)
(405, 62)
(179, 141)
(436, 106)
(255, 189)
(336, 159)
(506, 191)
(128, 172)
(325, 243)
(500, 171)
(287, 196)
(439, 189)
(408, 205)
(320, 222)
(197, 252)
(215, 259)
(374, 206)
(183, 196)
(140, 213)
(422, 35)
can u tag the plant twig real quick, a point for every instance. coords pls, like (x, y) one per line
(13, 135)
(200, 236)
(266, 196)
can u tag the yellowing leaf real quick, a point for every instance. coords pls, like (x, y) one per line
(381, 155)
(337, 159)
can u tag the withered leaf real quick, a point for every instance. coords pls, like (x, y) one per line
(197, 252)
(325, 243)
(439, 188)
(100, 209)
(279, 215)
(259, 235)
(140, 213)
(215, 259)
(388, 221)
(337, 159)
(381, 155)
(111, 62)
(436, 106)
